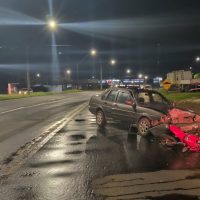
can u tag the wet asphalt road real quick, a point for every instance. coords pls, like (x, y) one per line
(21, 120)
(73, 165)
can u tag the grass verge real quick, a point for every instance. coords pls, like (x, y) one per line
(34, 94)
(179, 96)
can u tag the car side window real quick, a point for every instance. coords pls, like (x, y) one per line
(158, 98)
(143, 98)
(105, 94)
(124, 98)
(112, 96)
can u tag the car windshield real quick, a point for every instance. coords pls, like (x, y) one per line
(150, 98)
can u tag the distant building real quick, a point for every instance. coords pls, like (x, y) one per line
(179, 77)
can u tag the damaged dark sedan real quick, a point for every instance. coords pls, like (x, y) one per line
(132, 106)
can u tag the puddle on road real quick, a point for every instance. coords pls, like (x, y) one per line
(75, 143)
(77, 137)
(80, 120)
(64, 174)
(50, 163)
(74, 152)
(174, 197)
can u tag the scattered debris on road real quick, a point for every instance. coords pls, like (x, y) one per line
(179, 127)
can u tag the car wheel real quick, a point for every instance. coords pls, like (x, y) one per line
(143, 126)
(100, 118)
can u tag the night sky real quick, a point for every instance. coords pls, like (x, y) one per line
(147, 36)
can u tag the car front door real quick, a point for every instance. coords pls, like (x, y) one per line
(108, 103)
(159, 103)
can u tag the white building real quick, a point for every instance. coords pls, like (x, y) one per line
(180, 77)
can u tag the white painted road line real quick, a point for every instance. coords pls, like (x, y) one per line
(8, 111)
(32, 106)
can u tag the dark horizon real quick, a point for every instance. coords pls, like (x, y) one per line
(147, 37)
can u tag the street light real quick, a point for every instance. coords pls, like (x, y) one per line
(128, 71)
(38, 75)
(52, 24)
(197, 59)
(113, 62)
(68, 72)
(93, 52)
(146, 77)
(140, 76)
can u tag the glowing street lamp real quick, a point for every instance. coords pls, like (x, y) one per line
(38, 75)
(128, 71)
(146, 77)
(113, 62)
(197, 59)
(68, 72)
(93, 52)
(140, 76)
(52, 24)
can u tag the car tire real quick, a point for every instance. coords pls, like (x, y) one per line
(100, 118)
(143, 126)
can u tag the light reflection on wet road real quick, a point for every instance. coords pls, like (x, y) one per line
(65, 167)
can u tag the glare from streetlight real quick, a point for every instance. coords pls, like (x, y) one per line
(68, 72)
(140, 76)
(128, 71)
(146, 77)
(113, 62)
(197, 59)
(38, 75)
(93, 52)
(52, 24)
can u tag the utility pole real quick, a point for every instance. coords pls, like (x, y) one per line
(28, 70)
(101, 75)
(77, 75)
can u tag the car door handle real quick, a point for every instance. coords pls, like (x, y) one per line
(114, 106)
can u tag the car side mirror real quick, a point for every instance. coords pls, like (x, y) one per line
(174, 104)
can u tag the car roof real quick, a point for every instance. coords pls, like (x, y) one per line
(134, 89)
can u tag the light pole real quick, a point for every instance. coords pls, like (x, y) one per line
(112, 62)
(28, 70)
(52, 26)
(92, 53)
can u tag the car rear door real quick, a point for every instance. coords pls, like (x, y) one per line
(123, 107)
